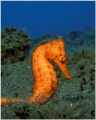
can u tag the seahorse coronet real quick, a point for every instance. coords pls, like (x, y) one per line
(45, 77)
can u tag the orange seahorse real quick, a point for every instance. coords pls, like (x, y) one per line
(45, 77)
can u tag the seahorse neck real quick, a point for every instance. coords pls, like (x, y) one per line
(48, 50)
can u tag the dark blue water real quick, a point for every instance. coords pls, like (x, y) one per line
(52, 17)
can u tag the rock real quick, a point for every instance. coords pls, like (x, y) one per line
(86, 91)
(15, 45)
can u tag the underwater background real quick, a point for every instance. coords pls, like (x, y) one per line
(24, 25)
(48, 17)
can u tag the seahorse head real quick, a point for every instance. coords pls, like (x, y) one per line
(57, 54)
(57, 51)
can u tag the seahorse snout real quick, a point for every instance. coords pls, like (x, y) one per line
(62, 65)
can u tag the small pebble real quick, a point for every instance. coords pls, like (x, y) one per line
(7, 84)
(86, 91)
(71, 104)
(28, 67)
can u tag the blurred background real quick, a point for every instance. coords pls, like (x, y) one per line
(38, 18)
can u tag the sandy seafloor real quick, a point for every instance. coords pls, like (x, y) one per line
(73, 99)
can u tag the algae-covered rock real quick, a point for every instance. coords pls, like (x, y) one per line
(15, 45)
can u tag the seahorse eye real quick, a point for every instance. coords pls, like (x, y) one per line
(63, 58)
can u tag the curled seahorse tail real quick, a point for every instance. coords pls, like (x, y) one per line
(31, 99)
(5, 101)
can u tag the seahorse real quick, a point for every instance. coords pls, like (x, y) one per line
(45, 77)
